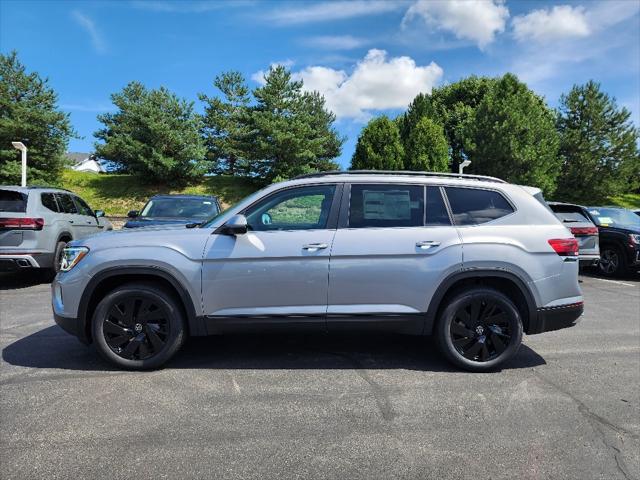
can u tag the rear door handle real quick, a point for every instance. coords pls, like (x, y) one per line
(314, 247)
(427, 244)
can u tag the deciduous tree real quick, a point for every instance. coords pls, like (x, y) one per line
(379, 146)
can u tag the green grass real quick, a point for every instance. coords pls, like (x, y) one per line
(117, 194)
(628, 200)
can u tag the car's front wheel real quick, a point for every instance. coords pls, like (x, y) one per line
(138, 326)
(479, 329)
(612, 261)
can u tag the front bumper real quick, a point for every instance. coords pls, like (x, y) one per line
(73, 326)
(557, 317)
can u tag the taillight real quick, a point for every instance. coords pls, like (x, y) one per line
(21, 223)
(578, 231)
(567, 247)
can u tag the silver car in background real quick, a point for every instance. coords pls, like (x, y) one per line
(473, 260)
(36, 224)
(585, 231)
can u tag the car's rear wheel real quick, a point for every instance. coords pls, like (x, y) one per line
(612, 261)
(138, 326)
(479, 329)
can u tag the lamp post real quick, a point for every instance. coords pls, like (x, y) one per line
(466, 163)
(20, 146)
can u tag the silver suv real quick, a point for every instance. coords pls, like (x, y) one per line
(37, 223)
(472, 260)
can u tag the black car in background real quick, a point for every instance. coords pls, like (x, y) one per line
(619, 230)
(174, 210)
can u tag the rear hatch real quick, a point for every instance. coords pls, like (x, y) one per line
(581, 227)
(13, 208)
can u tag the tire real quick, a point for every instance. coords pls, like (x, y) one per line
(57, 256)
(612, 261)
(138, 326)
(479, 329)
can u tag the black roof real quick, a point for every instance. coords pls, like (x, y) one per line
(184, 195)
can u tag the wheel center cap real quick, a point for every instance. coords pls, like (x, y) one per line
(138, 327)
(480, 330)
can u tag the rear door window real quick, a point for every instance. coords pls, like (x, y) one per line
(66, 203)
(473, 206)
(11, 201)
(394, 205)
(49, 201)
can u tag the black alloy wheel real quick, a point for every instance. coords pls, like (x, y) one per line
(611, 262)
(138, 326)
(479, 329)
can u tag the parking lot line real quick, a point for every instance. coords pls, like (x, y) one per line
(614, 281)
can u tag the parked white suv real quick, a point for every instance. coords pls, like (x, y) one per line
(37, 223)
(473, 260)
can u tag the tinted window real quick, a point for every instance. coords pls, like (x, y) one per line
(12, 201)
(83, 208)
(66, 203)
(180, 207)
(436, 211)
(472, 205)
(49, 201)
(572, 217)
(386, 206)
(302, 208)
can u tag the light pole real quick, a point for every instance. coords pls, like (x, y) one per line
(20, 146)
(466, 163)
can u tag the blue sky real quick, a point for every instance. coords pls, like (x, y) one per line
(366, 57)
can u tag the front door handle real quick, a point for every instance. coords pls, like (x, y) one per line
(427, 244)
(314, 247)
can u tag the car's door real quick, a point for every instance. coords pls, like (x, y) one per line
(389, 255)
(278, 271)
(69, 215)
(89, 222)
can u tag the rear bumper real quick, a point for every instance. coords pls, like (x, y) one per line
(11, 262)
(557, 317)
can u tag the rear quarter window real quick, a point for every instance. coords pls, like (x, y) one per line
(474, 206)
(11, 201)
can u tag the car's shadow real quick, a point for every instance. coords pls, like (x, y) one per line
(53, 348)
(18, 280)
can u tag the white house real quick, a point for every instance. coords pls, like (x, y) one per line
(85, 162)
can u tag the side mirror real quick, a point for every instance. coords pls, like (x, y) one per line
(133, 213)
(236, 225)
(99, 213)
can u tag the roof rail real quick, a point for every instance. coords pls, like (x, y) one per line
(403, 172)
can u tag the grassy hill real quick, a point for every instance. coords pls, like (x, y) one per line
(117, 194)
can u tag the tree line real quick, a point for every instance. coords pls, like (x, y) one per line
(587, 149)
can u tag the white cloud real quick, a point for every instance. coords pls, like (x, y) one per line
(333, 10)
(90, 27)
(560, 22)
(335, 42)
(475, 20)
(376, 83)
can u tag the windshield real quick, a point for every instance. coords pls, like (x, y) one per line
(180, 208)
(606, 217)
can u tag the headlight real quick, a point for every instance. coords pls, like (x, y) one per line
(634, 238)
(71, 256)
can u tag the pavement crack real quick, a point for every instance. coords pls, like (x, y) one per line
(382, 399)
(599, 425)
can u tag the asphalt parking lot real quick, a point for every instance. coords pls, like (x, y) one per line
(323, 407)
